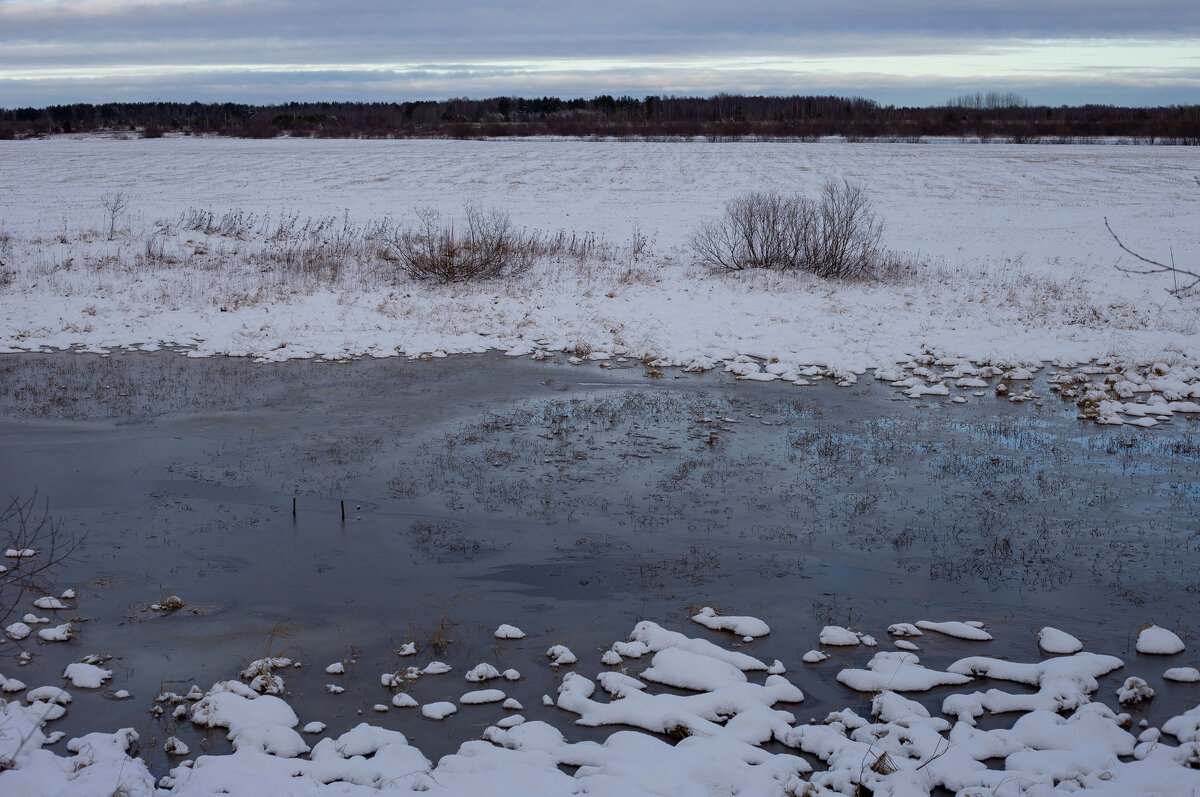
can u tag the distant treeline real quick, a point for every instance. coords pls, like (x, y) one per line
(724, 117)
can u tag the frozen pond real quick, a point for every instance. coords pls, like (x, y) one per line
(572, 501)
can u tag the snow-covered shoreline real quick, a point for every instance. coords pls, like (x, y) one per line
(723, 701)
(1008, 261)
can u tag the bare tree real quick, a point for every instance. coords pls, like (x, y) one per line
(34, 544)
(114, 203)
(1191, 282)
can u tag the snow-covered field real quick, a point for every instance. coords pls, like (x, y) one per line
(1011, 261)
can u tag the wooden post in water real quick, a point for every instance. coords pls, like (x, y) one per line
(293, 506)
(343, 511)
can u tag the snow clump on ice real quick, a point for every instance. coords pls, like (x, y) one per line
(1159, 641)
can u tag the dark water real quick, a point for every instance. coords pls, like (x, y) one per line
(572, 501)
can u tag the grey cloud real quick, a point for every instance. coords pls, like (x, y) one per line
(173, 48)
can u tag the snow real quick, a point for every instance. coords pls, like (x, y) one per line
(837, 636)
(481, 696)
(1183, 675)
(1023, 278)
(59, 633)
(899, 672)
(86, 676)
(561, 655)
(741, 626)
(482, 672)
(439, 710)
(506, 631)
(1159, 641)
(1052, 640)
(706, 697)
(337, 668)
(971, 629)
(404, 700)
(1134, 690)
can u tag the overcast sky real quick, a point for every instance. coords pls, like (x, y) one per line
(1131, 52)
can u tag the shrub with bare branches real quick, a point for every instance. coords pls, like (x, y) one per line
(33, 544)
(114, 204)
(486, 248)
(836, 236)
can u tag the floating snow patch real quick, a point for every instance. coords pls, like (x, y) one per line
(482, 672)
(1064, 684)
(741, 626)
(560, 656)
(971, 629)
(404, 700)
(86, 676)
(59, 633)
(650, 637)
(174, 747)
(1134, 690)
(49, 603)
(1051, 640)
(686, 670)
(814, 657)
(904, 630)
(1183, 675)
(337, 668)
(481, 696)
(314, 727)
(18, 630)
(506, 631)
(439, 710)
(899, 672)
(48, 694)
(837, 636)
(1159, 641)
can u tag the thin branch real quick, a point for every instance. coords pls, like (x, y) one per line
(1156, 267)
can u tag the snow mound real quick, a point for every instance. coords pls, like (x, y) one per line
(741, 626)
(1159, 642)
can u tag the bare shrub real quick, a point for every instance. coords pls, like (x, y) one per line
(837, 236)
(114, 204)
(487, 248)
(845, 241)
(758, 230)
(34, 544)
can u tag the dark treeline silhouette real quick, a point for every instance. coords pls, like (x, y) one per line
(991, 116)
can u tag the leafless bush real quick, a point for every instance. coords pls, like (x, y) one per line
(114, 204)
(1191, 278)
(845, 241)
(33, 544)
(487, 248)
(838, 236)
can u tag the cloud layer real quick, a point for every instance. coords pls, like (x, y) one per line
(909, 51)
